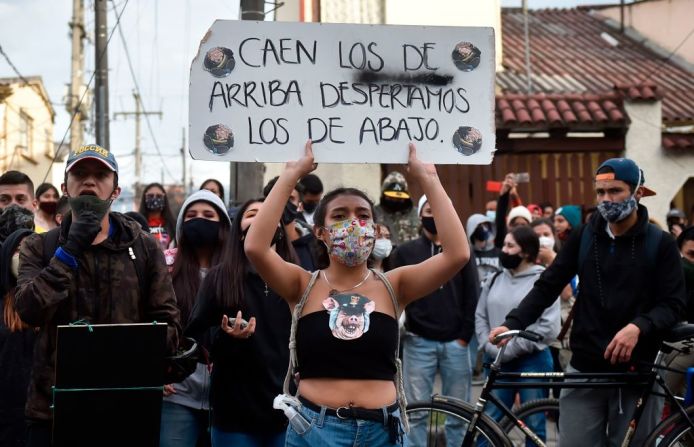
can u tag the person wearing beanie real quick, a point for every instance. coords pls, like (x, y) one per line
(535, 211)
(631, 292)
(440, 327)
(519, 216)
(52, 286)
(203, 229)
(566, 219)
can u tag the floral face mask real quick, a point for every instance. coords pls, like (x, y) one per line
(351, 240)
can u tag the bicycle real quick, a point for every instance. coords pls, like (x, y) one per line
(465, 424)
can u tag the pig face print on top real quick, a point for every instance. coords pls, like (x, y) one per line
(349, 315)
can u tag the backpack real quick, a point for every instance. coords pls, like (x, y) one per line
(653, 237)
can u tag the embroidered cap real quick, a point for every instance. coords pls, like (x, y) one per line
(95, 152)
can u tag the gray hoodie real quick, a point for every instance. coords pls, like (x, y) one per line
(486, 258)
(506, 293)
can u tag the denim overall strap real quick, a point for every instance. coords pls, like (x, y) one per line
(399, 382)
(296, 314)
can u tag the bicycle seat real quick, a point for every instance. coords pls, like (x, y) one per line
(680, 332)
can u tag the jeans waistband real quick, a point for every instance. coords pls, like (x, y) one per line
(376, 415)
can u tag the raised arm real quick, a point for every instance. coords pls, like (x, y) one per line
(416, 281)
(287, 279)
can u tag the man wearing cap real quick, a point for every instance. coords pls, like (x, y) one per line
(439, 328)
(396, 210)
(91, 276)
(624, 305)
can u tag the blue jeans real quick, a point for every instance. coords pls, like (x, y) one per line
(181, 426)
(540, 361)
(421, 359)
(233, 439)
(335, 432)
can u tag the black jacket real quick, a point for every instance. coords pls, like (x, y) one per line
(449, 313)
(616, 288)
(247, 374)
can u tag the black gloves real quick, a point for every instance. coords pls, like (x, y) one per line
(82, 233)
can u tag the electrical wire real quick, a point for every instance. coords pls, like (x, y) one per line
(20, 76)
(84, 94)
(667, 59)
(139, 98)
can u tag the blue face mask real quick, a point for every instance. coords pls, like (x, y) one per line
(491, 214)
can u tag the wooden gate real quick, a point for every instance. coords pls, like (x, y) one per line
(558, 178)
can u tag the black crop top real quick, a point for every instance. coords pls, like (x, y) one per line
(347, 341)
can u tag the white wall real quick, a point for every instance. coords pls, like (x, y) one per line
(665, 22)
(665, 172)
(448, 13)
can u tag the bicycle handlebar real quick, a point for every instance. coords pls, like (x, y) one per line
(528, 335)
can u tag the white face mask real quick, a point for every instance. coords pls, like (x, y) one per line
(547, 242)
(382, 248)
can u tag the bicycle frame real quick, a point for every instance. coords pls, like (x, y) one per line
(643, 380)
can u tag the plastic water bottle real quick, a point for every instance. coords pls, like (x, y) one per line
(297, 420)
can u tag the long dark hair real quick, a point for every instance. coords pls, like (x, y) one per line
(45, 187)
(527, 240)
(166, 214)
(219, 186)
(228, 279)
(320, 251)
(185, 273)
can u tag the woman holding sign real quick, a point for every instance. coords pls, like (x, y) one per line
(344, 338)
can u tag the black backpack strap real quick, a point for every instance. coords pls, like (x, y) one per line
(586, 241)
(491, 283)
(50, 244)
(653, 237)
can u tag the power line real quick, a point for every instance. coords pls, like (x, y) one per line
(139, 93)
(20, 76)
(667, 59)
(84, 94)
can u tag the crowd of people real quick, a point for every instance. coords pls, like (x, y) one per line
(322, 313)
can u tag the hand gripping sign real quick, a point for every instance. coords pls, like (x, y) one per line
(259, 90)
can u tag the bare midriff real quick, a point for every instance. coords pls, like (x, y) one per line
(335, 393)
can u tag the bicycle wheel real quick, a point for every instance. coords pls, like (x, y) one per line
(673, 432)
(548, 409)
(442, 422)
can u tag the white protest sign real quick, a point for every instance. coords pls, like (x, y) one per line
(259, 90)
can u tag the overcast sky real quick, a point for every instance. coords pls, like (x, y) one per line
(162, 37)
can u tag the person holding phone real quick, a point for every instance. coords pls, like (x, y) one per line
(345, 331)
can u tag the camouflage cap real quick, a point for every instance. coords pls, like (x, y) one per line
(395, 186)
(13, 218)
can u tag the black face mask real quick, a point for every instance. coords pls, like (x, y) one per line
(395, 205)
(480, 234)
(510, 261)
(429, 224)
(201, 232)
(289, 214)
(310, 207)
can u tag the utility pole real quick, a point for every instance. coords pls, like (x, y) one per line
(101, 78)
(183, 159)
(137, 114)
(246, 179)
(77, 33)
